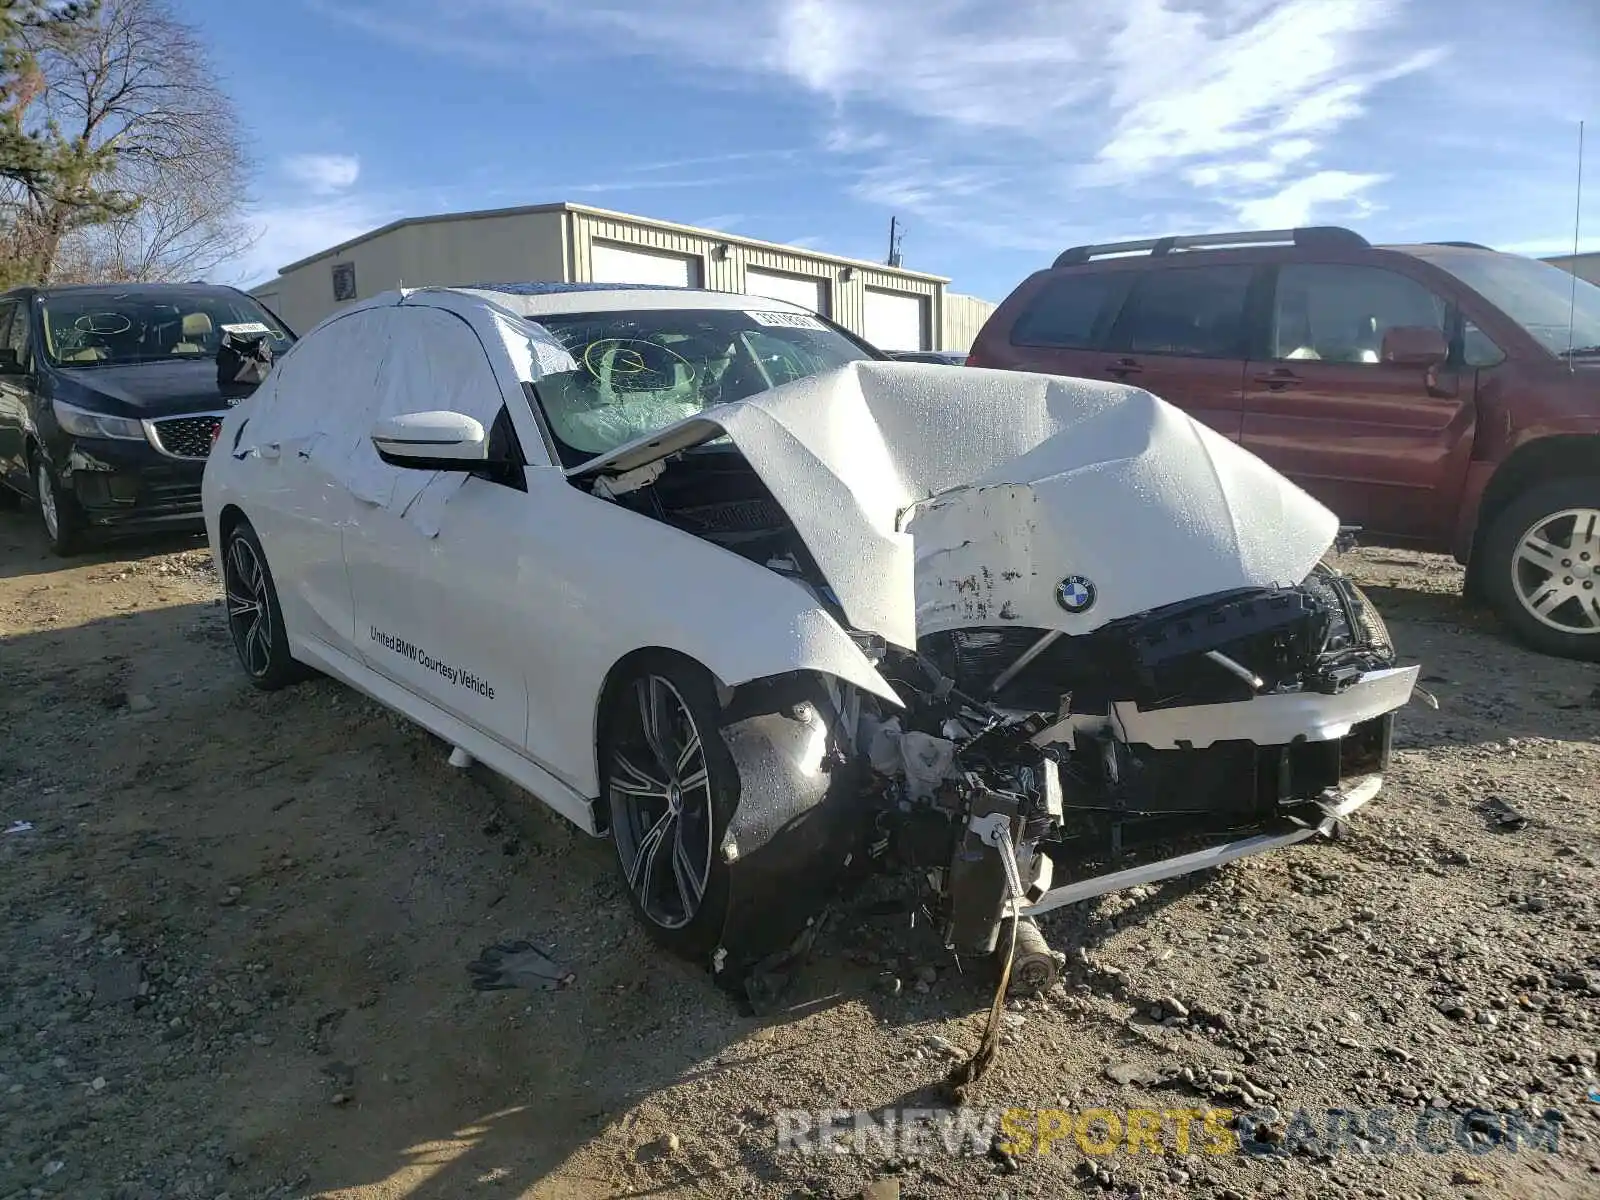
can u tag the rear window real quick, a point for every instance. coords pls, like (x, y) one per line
(1194, 311)
(1066, 313)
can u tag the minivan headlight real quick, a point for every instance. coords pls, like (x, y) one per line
(80, 422)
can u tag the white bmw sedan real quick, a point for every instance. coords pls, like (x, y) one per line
(709, 576)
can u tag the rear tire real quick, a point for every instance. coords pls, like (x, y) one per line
(1541, 567)
(255, 619)
(671, 788)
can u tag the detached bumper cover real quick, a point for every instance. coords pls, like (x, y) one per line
(1269, 720)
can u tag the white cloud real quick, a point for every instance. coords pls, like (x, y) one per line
(289, 232)
(323, 174)
(1299, 203)
(1553, 246)
(1022, 123)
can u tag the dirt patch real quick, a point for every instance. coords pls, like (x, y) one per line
(236, 934)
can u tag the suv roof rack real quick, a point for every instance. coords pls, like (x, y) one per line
(1311, 236)
(1463, 245)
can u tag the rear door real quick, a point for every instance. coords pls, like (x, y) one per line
(1183, 334)
(1383, 445)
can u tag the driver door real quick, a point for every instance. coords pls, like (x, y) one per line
(433, 557)
(15, 392)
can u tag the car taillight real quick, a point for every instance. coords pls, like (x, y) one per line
(974, 359)
(216, 432)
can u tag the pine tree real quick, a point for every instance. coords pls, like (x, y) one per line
(42, 168)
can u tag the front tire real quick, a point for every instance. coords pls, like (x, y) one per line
(1541, 567)
(671, 787)
(255, 619)
(59, 513)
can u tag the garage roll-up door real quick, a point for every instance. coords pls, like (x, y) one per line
(896, 320)
(612, 263)
(807, 291)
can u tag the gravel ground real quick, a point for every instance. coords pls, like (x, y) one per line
(235, 939)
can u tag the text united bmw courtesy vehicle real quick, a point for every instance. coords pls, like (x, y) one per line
(711, 577)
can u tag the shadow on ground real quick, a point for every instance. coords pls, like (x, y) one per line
(303, 880)
(24, 552)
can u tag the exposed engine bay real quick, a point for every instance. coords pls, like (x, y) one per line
(1231, 722)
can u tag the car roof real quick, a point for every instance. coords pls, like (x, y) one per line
(122, 289)
(552, 299)
(70, 290)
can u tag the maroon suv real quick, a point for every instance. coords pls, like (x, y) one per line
(1444, 396)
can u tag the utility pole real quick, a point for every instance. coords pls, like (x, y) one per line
(895, 234)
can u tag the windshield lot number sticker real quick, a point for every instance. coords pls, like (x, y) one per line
(792, 320)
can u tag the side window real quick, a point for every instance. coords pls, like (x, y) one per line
(14, 331)
(1194, 311)
(1068, 312)
(434, 360)
(1478, 349)
(1340, 313)
(18, 338)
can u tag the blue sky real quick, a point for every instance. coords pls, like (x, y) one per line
(998, 132)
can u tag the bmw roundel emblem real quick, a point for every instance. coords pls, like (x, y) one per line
(1076, 594)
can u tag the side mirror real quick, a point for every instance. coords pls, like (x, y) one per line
(1414, 346)
(432, 441)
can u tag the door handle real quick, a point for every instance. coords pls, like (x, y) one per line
(1278, 379)
(1124, 366)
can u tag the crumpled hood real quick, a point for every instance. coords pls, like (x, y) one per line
(935, 498)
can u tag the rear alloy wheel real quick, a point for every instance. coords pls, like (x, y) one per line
(255, 619)
(671, 787)
(1543, 567)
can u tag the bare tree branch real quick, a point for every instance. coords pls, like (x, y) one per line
(134, 86)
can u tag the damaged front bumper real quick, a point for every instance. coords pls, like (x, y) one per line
(1335, 808)
(1170, 742)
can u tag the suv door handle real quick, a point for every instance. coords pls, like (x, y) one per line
(1124, 366)
(1277, 380)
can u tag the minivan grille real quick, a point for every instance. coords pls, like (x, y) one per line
(186, 437)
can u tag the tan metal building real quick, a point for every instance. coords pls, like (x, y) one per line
(1584, 266)
(893, 308)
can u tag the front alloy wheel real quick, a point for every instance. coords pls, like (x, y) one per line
(661, 803)
(1543, 567)
(671, 787)
(58, 511)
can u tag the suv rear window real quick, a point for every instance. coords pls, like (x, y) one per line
(1066, 312)
(1197, 311)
